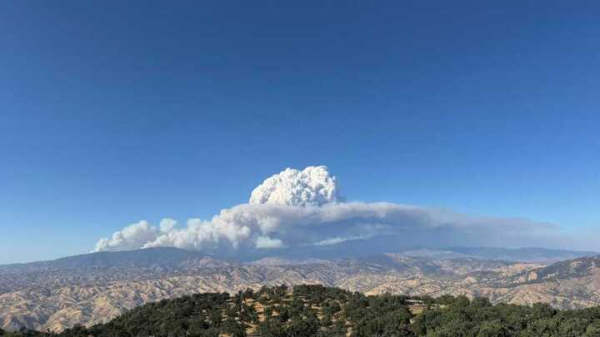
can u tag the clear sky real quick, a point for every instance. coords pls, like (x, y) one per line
(117, 111)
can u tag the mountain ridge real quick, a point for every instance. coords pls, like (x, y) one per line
(57, 295)
(526, 254)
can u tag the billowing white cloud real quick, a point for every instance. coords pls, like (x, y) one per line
(131, 237)
(303, 209)
(167, 225)
(265, 242)
(339, 239)
(312, 186)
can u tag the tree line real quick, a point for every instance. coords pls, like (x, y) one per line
(314, 310)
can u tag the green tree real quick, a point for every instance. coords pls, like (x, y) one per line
(493, 329)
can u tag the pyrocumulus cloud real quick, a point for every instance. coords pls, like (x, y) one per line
(304, 209)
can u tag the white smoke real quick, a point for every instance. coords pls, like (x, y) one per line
(131, 237)
(338, 239)
(265, 242)
(312, 186)
(303, 209)
(167, 225)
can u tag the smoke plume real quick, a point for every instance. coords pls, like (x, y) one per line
(303, 210)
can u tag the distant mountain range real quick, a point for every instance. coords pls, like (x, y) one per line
(542, 255)
(94, 288)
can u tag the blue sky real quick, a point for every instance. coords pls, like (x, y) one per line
(112, 112)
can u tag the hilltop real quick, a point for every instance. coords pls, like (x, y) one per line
(308, 311)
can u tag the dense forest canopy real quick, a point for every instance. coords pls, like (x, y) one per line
(313, 310)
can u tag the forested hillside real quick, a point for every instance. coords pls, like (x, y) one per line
(321, 311)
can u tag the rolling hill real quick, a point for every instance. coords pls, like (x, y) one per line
(94, 288)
